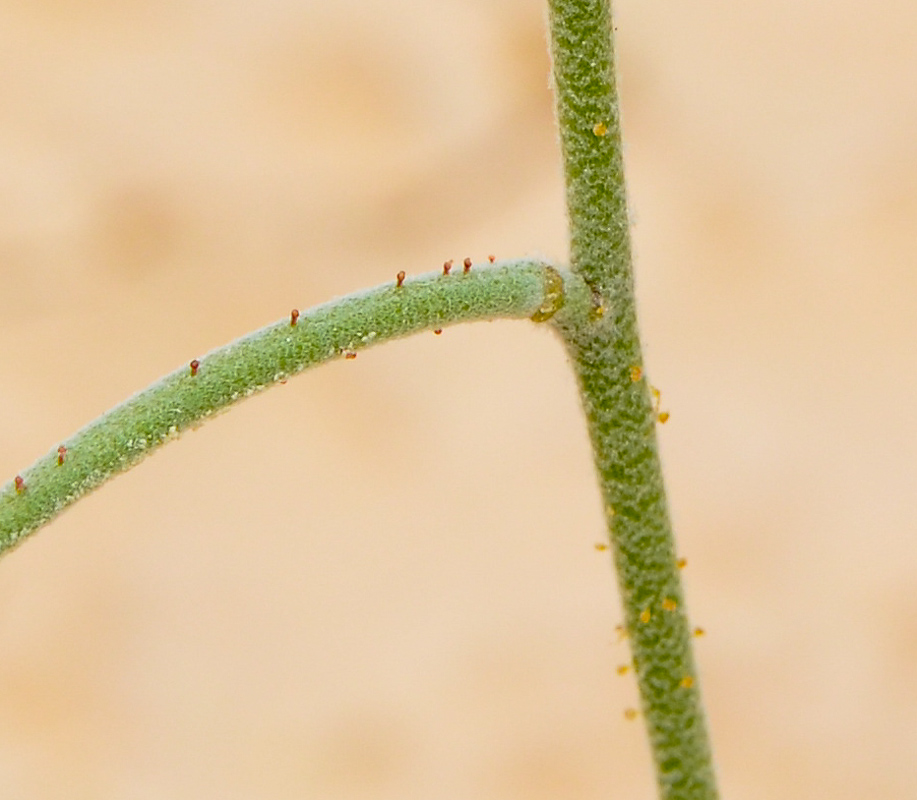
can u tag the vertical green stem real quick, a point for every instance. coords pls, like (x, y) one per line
(604, 345)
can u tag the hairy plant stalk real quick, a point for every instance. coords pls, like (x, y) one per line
(604, 345)
(124, 435)
(592, 307)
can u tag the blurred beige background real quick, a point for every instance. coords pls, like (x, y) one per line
(379, 581)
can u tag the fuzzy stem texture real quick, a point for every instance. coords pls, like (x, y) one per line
(604, 346)
(127, 433)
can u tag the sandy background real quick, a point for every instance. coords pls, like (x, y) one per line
(379, 581)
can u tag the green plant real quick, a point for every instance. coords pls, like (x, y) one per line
(591, 306)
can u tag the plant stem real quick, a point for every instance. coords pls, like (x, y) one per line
(605, 348)
(124, 435)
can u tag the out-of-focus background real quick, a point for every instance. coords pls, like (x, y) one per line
(380, 580)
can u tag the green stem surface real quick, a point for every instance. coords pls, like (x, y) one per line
(123, 436)
(605, 348)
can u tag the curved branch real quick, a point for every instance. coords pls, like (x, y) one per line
(123, 436)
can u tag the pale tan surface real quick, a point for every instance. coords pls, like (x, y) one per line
(379, 581)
